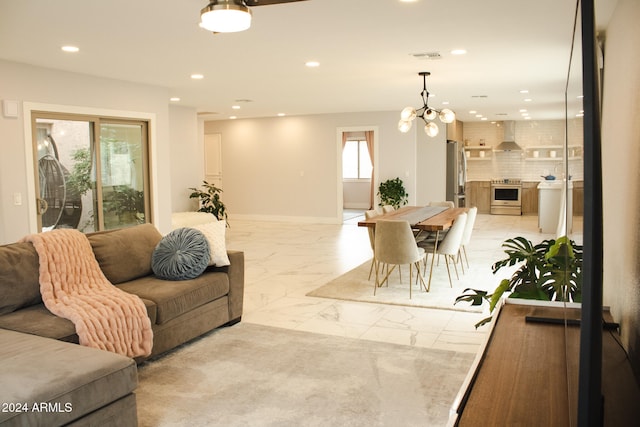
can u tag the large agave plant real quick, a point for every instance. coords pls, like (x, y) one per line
(550, 271)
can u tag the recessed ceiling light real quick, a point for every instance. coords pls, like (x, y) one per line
(235, 107)
(312, 64)
(233, 117)
(281, 114)
(445, 102)
(174, 99)
(478, 115)
(472, 112)
(70, 49)
(528, 100)
(458, 52)
(523, 110)
(484, 118)
(197, 76)
(524, 91)
(527, 118)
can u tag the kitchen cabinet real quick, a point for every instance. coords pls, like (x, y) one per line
(578, 198)
(530, 198)
(479, 195)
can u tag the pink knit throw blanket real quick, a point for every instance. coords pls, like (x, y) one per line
(73, 287)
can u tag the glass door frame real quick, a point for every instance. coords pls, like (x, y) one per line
(106, 114)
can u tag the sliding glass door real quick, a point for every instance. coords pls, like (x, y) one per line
(92, 172)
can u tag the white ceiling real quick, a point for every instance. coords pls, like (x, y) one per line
(364, 48)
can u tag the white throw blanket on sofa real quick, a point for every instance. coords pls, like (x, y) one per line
(73, 287)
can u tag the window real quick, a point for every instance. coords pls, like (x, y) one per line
(356, 162)
(92, 172)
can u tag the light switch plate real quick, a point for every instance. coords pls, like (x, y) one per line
(10, 108)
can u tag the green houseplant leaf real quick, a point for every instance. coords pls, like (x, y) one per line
(549, 271)
(210, 201)
(392, 193)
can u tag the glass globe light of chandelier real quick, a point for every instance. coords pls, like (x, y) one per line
(408, 114)
(404, 125)
(431, 129)
(447, 116)
(430, 114)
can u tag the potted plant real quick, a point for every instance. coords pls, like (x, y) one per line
(550, 271)
(210, 202)
(392, 193)
(126, 202)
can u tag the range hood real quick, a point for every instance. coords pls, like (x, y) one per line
(508, 140)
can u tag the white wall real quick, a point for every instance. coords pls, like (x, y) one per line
(187, 157)
(29, 84)
(431, 164)
(286, 168)
(621, 181)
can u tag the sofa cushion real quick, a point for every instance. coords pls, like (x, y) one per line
(181, 255)
(74, 379)
(174, 298)
(215, 234)
(19, 274)
(125, 254)
(37, 320)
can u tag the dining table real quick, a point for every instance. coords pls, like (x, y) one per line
(422, 219)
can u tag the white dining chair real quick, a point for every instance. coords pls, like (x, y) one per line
(396, 246)
(466, 235)
(388, 208)
(449, 247)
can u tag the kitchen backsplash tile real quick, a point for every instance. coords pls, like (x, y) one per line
(517, 164)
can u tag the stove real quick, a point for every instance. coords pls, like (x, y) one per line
(506, 196)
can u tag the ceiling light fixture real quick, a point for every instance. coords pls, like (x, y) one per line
(425, 112)
(225, 16)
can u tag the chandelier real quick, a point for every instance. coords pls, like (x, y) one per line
(426, 113)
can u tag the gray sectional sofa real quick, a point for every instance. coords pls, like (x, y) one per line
(179, 311)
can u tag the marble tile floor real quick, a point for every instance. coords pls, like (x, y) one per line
(284, 261)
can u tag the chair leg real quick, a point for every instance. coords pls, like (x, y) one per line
(373, 262)
(455, 265)
(446, 260)
(420, 276)
(464, 249)
(459, 259)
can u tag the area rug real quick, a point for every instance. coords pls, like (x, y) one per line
(356, 286)
(253, 375)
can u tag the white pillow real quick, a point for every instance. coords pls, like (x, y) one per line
(214, 232)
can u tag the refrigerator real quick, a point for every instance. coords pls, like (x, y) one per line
(456, 173)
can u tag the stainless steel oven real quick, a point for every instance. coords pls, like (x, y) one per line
(506, 196)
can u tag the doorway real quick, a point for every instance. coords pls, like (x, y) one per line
(91, 173)
(357, 170)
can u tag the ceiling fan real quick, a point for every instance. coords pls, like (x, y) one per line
(229, 16)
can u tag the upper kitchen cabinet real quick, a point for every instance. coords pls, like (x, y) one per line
(455, 130)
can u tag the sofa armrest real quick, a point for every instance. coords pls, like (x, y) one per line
(236, 283)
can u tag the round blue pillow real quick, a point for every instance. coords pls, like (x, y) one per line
(181, 255)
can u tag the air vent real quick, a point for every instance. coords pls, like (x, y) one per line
(427, 55)
(479, 96)
(206, 113)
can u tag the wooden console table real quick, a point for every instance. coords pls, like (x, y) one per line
(525, 376)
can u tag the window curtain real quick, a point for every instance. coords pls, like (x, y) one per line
(368, 135)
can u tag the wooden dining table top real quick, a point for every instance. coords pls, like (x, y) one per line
(439, 221)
